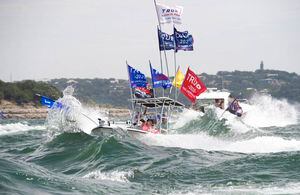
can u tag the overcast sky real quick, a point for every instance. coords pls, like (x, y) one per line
(45, 39)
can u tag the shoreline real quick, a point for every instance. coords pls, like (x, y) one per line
(10, 110)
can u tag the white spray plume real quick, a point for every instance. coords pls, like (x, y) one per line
(72, 116)
(266, 111)
(261, 144)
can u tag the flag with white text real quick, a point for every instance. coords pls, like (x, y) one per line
(192, 86)
(166, 41)
(136, 78)
(168, 14)
(183, 40)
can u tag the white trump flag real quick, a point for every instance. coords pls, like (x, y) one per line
(167, 14)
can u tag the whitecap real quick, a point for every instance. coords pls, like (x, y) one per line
(18, 127)
(261, 144)
(119, 176)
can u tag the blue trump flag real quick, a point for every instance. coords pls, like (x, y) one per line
(50, 103)
(137, 79)
(183, 41)
(159, 79)
(166, 41)
(45, 101)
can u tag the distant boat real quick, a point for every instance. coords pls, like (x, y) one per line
(221, 99)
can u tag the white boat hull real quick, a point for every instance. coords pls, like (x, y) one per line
(109, 130)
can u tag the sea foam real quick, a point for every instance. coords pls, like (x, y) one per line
(72, 116)
(289, 188)
(262, 144)
(18, 127)
(266, 111)
(119, 176)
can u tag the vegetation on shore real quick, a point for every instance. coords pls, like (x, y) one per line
(115, 92)
(24, 91)
(243, 84)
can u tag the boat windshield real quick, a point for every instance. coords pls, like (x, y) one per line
(201, 104)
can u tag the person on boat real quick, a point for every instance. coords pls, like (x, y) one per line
(101, 122)
(219, 103)
(164, 121)
(2, 116)
(144, 125)
(234, 107)
(151, 125)
(136, 118)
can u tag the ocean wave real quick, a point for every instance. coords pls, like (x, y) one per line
(81, 153)
(261, 144)
(264, 111)
(18, 127)
(207, 123)
(250, 188)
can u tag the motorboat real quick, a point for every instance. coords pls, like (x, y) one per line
(212, 96)
(220, 99)
(157, 111)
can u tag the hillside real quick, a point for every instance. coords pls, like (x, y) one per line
(23, 92)
(279, 84)
(18, 100)
(116, 92)
(109, 92)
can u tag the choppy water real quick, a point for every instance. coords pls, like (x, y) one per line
(260, 155)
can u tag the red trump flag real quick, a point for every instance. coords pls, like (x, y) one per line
(192, 86)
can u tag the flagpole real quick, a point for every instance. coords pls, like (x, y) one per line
(153, 88)
(175, 62)
(175, 67)
(131, 92)
(152, 79)
(155, 4)
(160, 58)
(174, 80)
